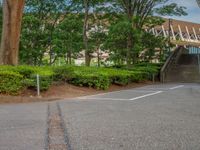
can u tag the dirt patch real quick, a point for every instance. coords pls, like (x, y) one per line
(63, 91)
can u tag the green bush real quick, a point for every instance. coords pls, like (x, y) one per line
(45, 82)
(63, 73)
(10, 82)
(82, 76)
(45, 76)
(26, 71)
(29, 75)
(100, 78)
(91, 80)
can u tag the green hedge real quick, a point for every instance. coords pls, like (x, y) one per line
(29, 76)
(10, 82)
(13, 79)
(45, 82)
(99, 78)
(82, 76)
(46, 75)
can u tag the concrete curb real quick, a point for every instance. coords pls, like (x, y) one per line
(20, 99)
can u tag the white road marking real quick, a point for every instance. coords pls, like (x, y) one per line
(176, 87)
(139, 97)
(119, 99)
(148, 90)
(99, 98)
(106, 93)
(142, 91)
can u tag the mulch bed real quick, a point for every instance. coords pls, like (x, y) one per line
(62, 91)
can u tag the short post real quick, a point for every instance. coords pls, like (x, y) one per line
(38, 85)
(59, 62)
(153, 78)
(199, 62)
(163, 77)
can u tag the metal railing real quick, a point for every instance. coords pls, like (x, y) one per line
(171, 59)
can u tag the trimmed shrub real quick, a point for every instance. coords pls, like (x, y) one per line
(82, 76)
(26, 71)
(99, 78)
(63, 73)
(91, 80)
(46, 78)
(10, 82)
(29, 75)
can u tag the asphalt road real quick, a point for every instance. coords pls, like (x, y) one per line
(156, 117)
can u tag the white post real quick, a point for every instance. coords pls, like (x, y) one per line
(199, 61)
(195, 33)
(153, 30)
(172, 29)
(153, 78)
(163, 29)
(59, 62)
(38, 85)
(180, 32)
(189, 38)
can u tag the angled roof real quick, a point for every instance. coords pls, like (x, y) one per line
(184, 25)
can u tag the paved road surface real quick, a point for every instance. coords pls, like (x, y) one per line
(156, 117)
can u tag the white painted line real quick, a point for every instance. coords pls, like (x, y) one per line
(141, 91)
(98, 98)
(102, 94)
(139, 97)
(176, 87)
(155, 89)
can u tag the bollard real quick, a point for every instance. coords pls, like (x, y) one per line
(199, 62)
(153, 78)
(38, 85)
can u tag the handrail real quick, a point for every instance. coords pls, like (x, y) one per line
(164, 68)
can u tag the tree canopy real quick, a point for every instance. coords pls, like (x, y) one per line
(53, 29)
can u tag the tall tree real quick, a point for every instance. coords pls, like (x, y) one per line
(39, 23)
(1, 17)
(12, 16)
(88, 7)
(85, 30)
(67, 38)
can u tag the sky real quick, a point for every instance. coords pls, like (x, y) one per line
(192, 9)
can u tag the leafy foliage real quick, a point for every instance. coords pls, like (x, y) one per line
(99, 78)
(67, 38)
(10, 82)
(14, 79)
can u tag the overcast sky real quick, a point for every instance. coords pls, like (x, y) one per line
(192, 9)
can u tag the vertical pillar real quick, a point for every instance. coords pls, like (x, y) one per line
(189, 38)
(164, 33)
(172, 32)
(180, 33)
(195, 33)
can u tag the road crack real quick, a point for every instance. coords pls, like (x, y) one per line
(56, 138)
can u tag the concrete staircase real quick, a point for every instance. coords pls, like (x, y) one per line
(181, 67)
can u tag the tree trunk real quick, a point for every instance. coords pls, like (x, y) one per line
(12, 17)
(70, 56)
(85, 38)
(129, 49)
(129, 40)
(98, 56)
